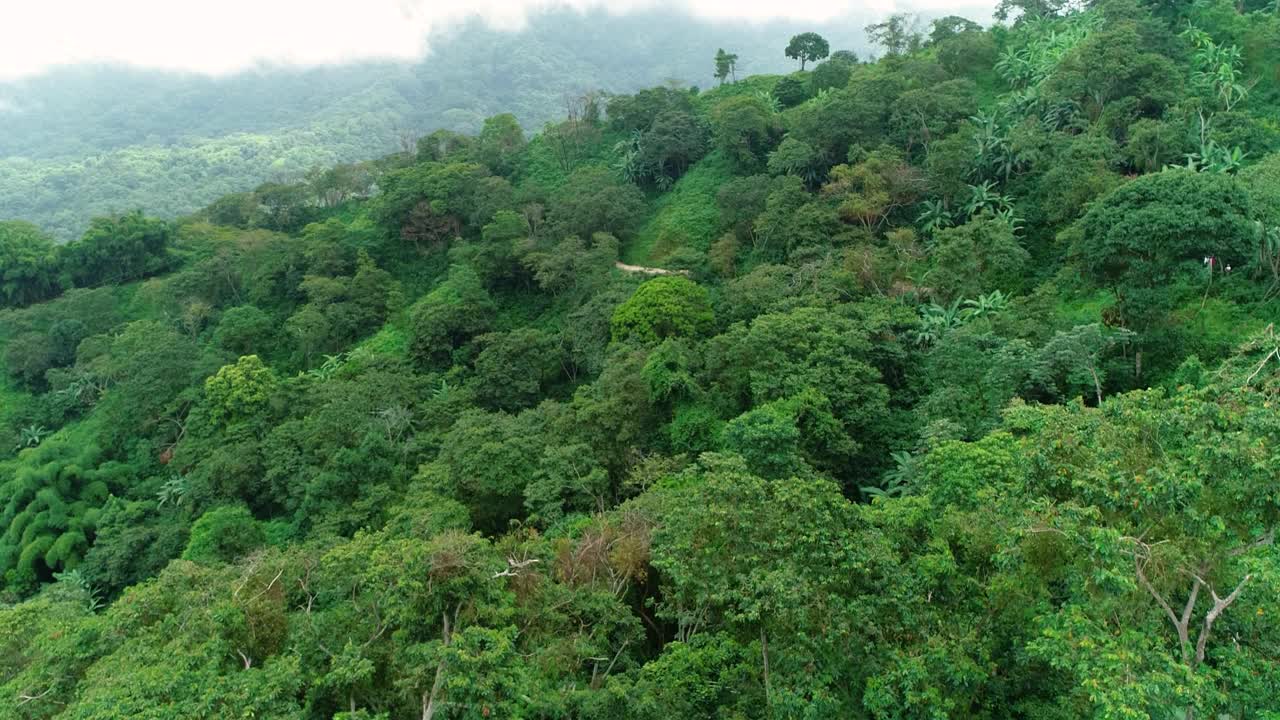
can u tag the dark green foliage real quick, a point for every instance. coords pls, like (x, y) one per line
(980, 256)
(243, 328)
(832, 74)
(924, 362)
(767, 438)
(134, 540)
(500, 143)
(453, 313)
(674, 141)
(968, 51)
(117, 250)
(638, 112)
(1148, 240)
(745, 129)
(514, 369)
(28, 264)
(593, 200)
(791, 91)
(485, 462)
(807, 47)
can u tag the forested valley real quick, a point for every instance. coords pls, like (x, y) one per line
(937, 384)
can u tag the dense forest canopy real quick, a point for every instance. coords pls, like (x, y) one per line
(937, 385)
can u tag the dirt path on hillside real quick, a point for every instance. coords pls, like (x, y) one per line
(648, 270)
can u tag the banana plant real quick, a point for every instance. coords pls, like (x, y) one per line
(330, 367)
(897, 481)
(1217, 68)
(629, 152)
(31, 435)
(172, 492)
(442, 391)
(769, 100)
(986, 197)
(1215, 158)
(934, 217)
(78, 582)
(992, 303)
(935, 321)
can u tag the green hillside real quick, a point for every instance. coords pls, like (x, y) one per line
(945, 387)
(81, 142)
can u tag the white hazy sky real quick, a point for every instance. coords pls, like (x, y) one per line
(227, 35)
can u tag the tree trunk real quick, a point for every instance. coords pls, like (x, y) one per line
(764, 656)
(429, 699)
(1097, 385)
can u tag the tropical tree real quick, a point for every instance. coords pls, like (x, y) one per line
(807, 47)
(725, 65)
(28, 264)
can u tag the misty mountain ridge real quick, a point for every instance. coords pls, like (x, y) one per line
(83, 141)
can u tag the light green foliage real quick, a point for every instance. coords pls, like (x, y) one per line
(898, 34)
(760, 572)
(1142, 520)
(872, 186)
(237, 392)
(223, 534)
(685, 218)
(661, 308)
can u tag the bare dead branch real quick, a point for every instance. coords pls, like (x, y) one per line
(1219, 605)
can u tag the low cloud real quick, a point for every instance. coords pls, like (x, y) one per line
(220, 37)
